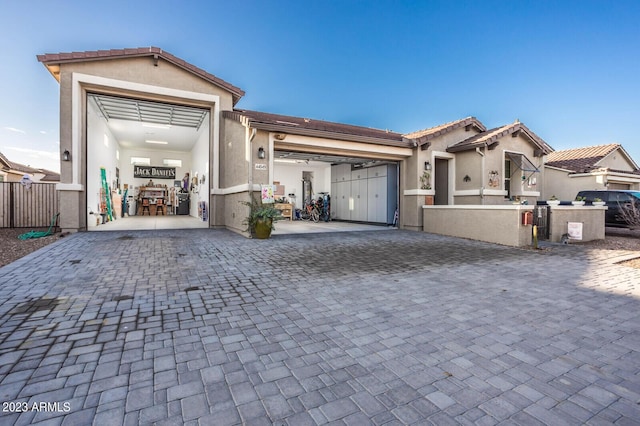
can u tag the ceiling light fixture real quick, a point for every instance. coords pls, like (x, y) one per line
(157, 142)
(157, 125)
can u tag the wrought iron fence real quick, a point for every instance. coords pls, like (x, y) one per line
(541, 220)
(27, 206)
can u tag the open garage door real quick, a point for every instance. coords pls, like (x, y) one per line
(363, 191)
(147, 164)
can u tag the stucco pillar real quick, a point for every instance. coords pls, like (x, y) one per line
(69, 203)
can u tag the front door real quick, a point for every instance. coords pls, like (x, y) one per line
(441, 182)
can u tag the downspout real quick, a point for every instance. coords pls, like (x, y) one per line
(482, 173)
(249, 135)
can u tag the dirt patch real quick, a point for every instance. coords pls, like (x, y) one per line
(615, 242)
(621, 239)
(13, 248)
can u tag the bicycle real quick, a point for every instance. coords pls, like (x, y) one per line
(310, 213)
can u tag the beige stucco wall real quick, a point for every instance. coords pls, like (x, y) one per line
(477, 168)
(233, 151)
(494, 224)
(441, 143)
(130, 70)
(412, 168)
(495, 161)
(616, 160)
(468, 163)
(565, 186)
(142, 70)
(592, 218)
(261, 139)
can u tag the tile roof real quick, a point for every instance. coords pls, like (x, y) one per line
(581, 159)
(22, 168)
(4, 160)
(492, 136)
(49, 175)
(98, 55)
(423, 136)
(587, 158)
(312, 127)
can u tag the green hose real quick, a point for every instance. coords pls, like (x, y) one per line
(40, 234)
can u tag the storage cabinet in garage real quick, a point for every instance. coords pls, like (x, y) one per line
(364, 195)
(359, 195)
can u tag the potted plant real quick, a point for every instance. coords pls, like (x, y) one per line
(579, 201)
(553, 201)
(598, 202)
(260, 219)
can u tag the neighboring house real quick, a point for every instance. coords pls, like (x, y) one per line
(596, 167)
(13, 172)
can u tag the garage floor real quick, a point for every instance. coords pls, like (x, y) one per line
(143, 223)
(283, 227)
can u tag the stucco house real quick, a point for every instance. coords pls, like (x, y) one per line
(11, 171)
(464, 163)
(157, 124)
(598, 167)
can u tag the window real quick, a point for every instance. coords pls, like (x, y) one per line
(141, 161)
(620, 197)
(172, 163)
(507, 177)
(106, 140)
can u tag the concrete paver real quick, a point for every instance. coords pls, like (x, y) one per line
(207, 327)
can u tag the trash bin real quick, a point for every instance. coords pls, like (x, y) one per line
(132, 205)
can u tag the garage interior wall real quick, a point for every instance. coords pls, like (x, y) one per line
(290, 175)
(102, 151)
(199, 168)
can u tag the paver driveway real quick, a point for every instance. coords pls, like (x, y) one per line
(206, 327)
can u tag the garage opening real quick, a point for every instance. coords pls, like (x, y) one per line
(359, 193)
(147, 164)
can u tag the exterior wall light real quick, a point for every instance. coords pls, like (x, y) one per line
(427, 166)
(66, 155)
(261, 153)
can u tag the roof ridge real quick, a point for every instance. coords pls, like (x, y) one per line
(449, 123)
(614, 144)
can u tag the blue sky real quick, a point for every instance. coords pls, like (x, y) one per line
(569, 70)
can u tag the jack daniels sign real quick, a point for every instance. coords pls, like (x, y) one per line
(154, 172)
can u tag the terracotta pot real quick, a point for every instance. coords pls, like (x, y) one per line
(263, 229)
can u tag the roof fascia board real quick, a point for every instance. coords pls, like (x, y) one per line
(328, 135)
(558, 168)
(241, 118)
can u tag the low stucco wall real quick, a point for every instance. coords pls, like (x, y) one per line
(591, 217)
(494, 224)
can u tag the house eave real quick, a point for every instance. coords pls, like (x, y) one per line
(329, 135)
